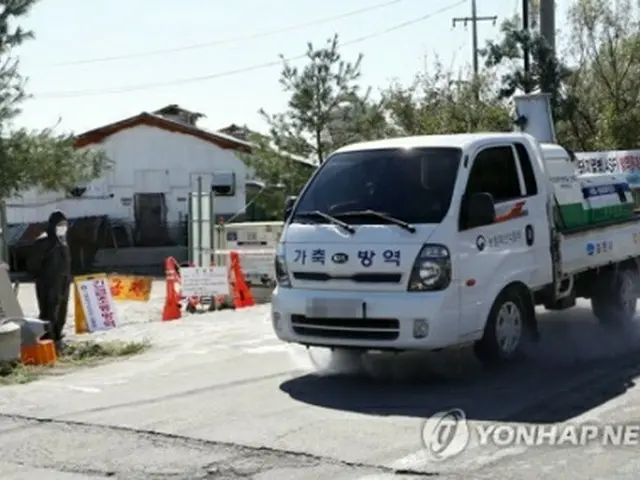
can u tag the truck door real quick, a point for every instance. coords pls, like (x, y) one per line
(489, 257)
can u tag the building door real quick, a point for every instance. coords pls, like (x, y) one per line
(151, 220)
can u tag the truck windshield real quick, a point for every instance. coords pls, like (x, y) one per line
(411, 185)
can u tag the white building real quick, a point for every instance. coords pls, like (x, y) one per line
(158, 158)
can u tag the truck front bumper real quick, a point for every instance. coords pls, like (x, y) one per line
(389, 320)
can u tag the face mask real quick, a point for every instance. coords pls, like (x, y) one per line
(61, 230)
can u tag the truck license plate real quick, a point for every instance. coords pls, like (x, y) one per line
(334, 308)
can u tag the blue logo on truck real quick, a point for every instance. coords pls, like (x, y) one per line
(591, 248)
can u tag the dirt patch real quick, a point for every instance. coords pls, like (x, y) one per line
(77, 354)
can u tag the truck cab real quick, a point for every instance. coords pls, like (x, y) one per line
(405, 243)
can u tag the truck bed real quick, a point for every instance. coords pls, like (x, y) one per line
(589, 247)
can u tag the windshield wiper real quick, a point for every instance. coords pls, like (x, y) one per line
(383, 216)
(329, 218)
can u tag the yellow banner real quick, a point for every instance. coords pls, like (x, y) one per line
(130, 287)
(80, 319)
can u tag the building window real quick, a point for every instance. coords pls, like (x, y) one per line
(224, 184)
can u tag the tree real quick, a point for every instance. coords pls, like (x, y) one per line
(441, 102)
(324, 89)
(326, 110)
(282, 173)
(546, 73)
(605, 40)
(41, 159)
(358, 120)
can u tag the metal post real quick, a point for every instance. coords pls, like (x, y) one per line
(190, 230)
(212, 227)
(474, 38)
(4, 254)
(525, 27)
(199, 245)
(548, 22)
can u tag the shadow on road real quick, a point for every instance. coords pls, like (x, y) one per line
(576, 366)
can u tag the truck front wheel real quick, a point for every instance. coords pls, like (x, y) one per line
(504, 331)
(615, 298)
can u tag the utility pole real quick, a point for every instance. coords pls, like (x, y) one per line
(525, 53)
(474, 19)
(548, 22)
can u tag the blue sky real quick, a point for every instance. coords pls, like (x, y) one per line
(69, 31)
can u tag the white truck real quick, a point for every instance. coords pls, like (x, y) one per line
(430, 242)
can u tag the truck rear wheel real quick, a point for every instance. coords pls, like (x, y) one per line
(504, 331)
(614, 301)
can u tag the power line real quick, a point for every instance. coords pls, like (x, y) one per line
(228, 41)
(132, 88)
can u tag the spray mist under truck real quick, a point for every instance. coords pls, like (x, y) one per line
(429, 242)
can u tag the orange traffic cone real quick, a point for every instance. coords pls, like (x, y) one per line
(242, 296)
(171, 310)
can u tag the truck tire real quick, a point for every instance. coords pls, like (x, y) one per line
(614, 301)
(504, 331)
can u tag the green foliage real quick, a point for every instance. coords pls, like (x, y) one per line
(278, 169)
(326, 110)
(546, 72)
(42, 159)
(45, 160)
(11, 83)
(605, 39)
(595, 91)
(323, 94)
(441, 102)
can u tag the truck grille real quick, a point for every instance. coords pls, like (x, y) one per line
(347, 328)
(357, 277)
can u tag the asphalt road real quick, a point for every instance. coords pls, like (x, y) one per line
(219, 397)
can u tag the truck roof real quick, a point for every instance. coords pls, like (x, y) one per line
(460, 140)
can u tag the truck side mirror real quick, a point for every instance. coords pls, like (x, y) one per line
(481, 210)
(288, 206)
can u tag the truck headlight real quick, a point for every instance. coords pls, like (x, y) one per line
(431, 269)
(282, 274)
